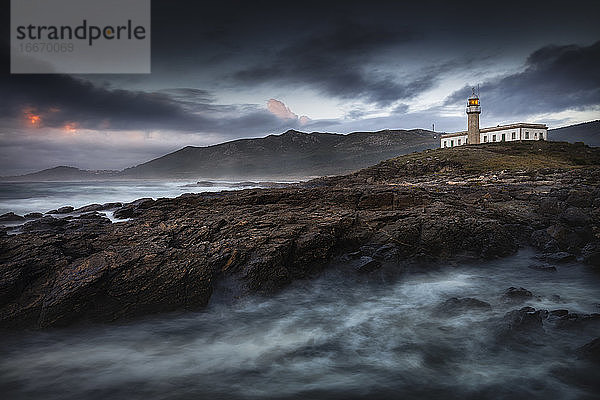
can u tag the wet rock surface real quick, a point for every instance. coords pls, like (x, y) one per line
(171, 253)
(526, 320)
(516, 294)
(455, 305)
(590, 351)
(11, 217)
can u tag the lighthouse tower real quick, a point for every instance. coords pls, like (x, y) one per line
(473, 111)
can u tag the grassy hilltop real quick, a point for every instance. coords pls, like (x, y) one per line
(474, 159)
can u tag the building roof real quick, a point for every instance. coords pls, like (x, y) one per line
(498, 128)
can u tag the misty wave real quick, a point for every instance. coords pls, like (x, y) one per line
(337, 336)
(25, 197)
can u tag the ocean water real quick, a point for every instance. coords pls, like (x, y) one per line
(25, 197)
(339, 336)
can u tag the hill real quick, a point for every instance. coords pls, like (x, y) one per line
(63, 173)
(588, 132)
(485, 158)
(291, 154)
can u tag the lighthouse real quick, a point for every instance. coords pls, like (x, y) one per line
(473, 111)
(501, 133)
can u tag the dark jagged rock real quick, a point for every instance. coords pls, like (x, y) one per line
(516, 294)
(559, 313)
(97, 207)
(574, 320)
(527, 320)
(34, 215)
(88, 208)
(11, 217)
(457, 305)
(61, 210)
(590, 351)
(435, 206)
(367, 264)
(134, 208)
(45, 224)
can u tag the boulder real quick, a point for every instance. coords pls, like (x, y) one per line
(11, 217)
(61, 210)
(526, 320)
(108, 206)
(456, 305)
(34, 215)
(516, 294)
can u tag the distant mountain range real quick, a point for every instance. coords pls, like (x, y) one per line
(290, 155)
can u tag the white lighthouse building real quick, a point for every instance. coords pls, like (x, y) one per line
(500, 133)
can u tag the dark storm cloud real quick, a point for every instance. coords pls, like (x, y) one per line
(336, 47)
(61, 99)
(555, 78)
(336, 62)
(64, 99)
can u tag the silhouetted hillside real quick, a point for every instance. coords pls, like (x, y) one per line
(588, 132)
(63, 173)
(291, 154)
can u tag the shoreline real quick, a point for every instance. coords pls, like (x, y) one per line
(422, 207)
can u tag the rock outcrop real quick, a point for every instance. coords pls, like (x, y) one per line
(419, 208)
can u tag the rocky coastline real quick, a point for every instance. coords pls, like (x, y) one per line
(421, 209)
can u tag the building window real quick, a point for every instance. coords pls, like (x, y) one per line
(535, 135)
(542, 136)
(452, 143)
(485, 139)
(459, 142)
(445, 143)
(493, 138)
(526, 135)
(514, 135)
(504, 137)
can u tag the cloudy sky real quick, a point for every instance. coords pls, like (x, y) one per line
(237, 69)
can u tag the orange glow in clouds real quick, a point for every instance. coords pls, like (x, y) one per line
(34, 120)
(70, 127)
